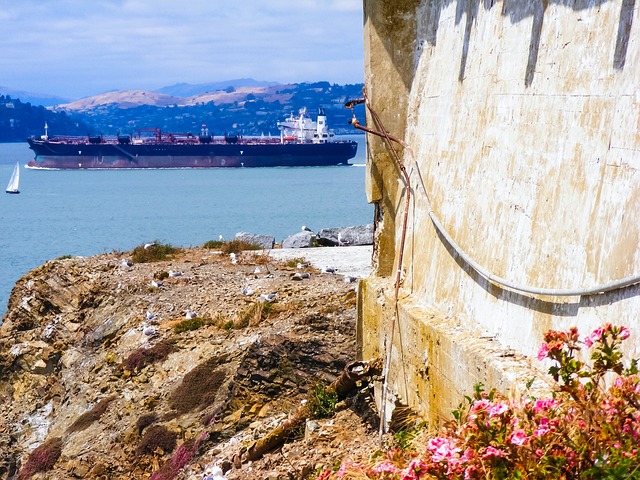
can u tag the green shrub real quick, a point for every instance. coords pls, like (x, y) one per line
(293, 262)
(228, 325)
(154, 252)
(157, 436)
(322, 401)
(213, 244)
(141, 357)
(232, 246)
(198, 387)
(587, 428)
(93, 415)
(191, 324)
(237, 246)
(42, 459)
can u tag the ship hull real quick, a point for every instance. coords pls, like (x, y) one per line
(66, 156)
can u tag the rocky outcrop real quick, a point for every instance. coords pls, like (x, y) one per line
(263, 241)
(302, 239)
(342, 236)
(104, 366)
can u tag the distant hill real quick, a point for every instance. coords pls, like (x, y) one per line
(122, 99)
(190, 90)
(20, 120)
(246, 110)
(135, 98)
(34, 98)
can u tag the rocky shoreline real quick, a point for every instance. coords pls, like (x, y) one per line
(100, 361)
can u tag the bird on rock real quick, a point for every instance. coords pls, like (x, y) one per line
(213, 473)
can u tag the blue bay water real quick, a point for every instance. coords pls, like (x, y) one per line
(90, 212)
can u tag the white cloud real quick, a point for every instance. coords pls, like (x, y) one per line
(76, 48)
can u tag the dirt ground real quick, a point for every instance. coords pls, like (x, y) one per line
(272, 328)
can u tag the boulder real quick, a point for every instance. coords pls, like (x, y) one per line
(264, 241)
(343, 236)
(302, 239)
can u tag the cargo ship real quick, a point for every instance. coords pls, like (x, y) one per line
(303, 142)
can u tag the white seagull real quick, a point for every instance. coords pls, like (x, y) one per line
(213, 473)
(149, 245)
(148, 330)
(150, 316)
(155, 284)
(189, 315)
(300, 276)
(175, 274)
(247, 290)
(306, 229)
(268, 297)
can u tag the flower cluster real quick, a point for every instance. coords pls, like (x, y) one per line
(589, 428)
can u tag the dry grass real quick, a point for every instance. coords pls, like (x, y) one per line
(157, 437)
(141, 357)
(191, 324)
(237, 246)
(213, 244)
(42, 459)
(256, 313)
(261, 258)
(145, 420)
(154, 252)
(198, 387)
(93, 415)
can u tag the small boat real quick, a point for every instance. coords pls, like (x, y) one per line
(15, 180)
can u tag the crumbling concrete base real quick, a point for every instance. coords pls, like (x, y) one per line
(436, 360)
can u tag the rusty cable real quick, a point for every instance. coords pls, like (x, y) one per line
(389, 140)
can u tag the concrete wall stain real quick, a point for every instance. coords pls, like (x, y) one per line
(523, 122)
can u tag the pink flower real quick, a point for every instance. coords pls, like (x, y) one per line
(385, 467)
(324, 475)
(469, 471)
(624, 333)
(441, 449)
(414, 471)
(498, 409)
(519, 437)
(595, 336)
(544, 404)
(543, 352)
(346, 466)
(493, 452)
(543, 427)
(481, 405)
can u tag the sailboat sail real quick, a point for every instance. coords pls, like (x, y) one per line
(15, 180)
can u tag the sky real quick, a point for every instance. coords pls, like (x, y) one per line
(79, 48)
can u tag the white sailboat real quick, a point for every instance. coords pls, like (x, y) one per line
(15, 180)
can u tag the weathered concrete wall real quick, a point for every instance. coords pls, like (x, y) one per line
(523, 126)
